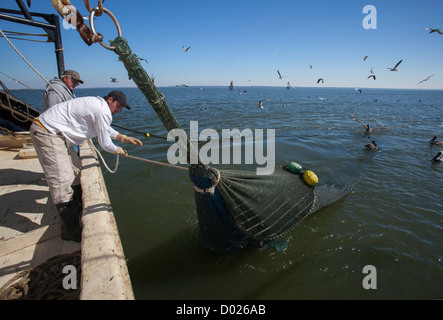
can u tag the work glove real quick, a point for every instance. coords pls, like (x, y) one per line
(121, 151)
(131, 140)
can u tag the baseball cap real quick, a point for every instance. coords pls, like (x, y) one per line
(73, 74)
(120, 96)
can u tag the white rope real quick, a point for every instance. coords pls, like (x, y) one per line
(103, 160)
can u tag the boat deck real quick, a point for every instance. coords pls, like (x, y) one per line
(30, 228)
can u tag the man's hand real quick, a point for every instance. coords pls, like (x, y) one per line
(121, 151)
(131, 140)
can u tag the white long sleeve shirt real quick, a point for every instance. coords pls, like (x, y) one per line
(81, 118)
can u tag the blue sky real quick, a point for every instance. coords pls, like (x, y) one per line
(246, 41)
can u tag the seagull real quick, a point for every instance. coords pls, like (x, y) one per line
(368, 130)
(241, 92)
(435, 142)
(186, 49)
(366, 57)
(276, 52)
(434, 30)
(203, 108)
(260, 104)
(114, 79)
(143, 59)
(279, 75)
(371, 146)
(358, 89)
(372, 70)
(372, 76)
(395, 68)
(310, 66)
(438, 157)
(426, 79)
(321, 79)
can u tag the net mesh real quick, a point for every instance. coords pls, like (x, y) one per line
(244, 208)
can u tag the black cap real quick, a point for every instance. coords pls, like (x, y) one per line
(120, 96)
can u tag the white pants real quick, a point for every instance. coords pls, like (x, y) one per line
(61, 165)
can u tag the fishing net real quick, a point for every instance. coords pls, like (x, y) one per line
(236, 208)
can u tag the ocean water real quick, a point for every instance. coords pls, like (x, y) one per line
(392, 220)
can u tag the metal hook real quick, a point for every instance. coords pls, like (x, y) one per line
(91, 22)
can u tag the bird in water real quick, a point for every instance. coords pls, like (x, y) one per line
(260, 104)
(371, 146)
(368, 130)
(395, 67)
(438, 157)
(435, 142)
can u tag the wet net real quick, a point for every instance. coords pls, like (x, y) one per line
(236, 208)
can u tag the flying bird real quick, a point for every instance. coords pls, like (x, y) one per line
(143, 59)
(372, 70)
(241, 92)
(434, 30)
(310, 66)
(372, 76)
(435, 142)
(366, 57)
(280, 76)
(368, 130)
(114, 79)
(395, 67)
(371, 146)
(321, 79)
(426, 79)
(186, 49)
(358, 89)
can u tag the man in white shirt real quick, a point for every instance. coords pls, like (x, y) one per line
(67, 124)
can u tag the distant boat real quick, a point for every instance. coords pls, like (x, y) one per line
(288, 86)
(231, 85)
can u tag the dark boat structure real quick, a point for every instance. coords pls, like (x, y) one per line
(231, 85)
(15, 115)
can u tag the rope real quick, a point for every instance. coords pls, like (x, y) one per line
(21, 84)
(29, 64)
(43, 282)
(103, 160)
(133, 157)
(157, 162)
